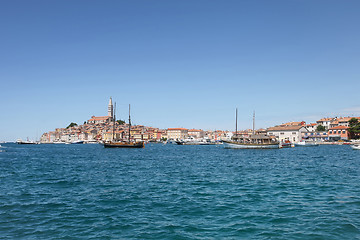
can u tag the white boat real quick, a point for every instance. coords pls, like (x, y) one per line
(193, 141)
(77, 142)
(19, 141)
(355, 146)
(306, 144)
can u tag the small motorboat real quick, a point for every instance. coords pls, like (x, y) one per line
(306, 144)
(355, 146)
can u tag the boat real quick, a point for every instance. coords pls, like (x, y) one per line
(193, 141)
(306, 144)
(254, 141)
(355, 146)
(19, 141)
(286, 144)
(77, 142)
(128, 144)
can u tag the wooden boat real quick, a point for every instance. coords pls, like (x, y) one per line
(124, 145)
(128, 144)
(254, 141)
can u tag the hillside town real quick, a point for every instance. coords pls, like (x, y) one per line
(105, 128)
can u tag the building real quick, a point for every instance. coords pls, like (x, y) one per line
(104, 119)
(196, 133)
(315, 136)
(177, 133)
(338, 133)
(311, 127)
(287, 133)
(325, 122)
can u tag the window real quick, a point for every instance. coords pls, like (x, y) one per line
(294, 133)
(343, 131)
(339, 131)
(282, 133)
(330, 131)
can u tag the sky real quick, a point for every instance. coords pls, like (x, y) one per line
(178, 63)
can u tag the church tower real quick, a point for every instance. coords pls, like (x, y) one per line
(111, 109)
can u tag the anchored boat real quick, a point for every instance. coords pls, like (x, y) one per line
(128, 144)
(355, 146)
(254, 141)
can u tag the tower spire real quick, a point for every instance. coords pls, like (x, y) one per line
(110, 109)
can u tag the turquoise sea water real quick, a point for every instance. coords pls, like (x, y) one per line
(178, 192)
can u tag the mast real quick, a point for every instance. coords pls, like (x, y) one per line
(236, 121)
(114, 119)
(254, 123)
(129, 123)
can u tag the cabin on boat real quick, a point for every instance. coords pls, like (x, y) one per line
(255, 139)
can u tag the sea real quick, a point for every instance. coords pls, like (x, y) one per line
(55, 191)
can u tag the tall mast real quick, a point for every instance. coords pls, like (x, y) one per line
(129, 123)
(236, 122)
(114, 119)
(254, 123)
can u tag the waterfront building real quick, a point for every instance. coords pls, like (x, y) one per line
(338, 133)
(177, 133)
(196, 133)
(315, 136)
(287, 133)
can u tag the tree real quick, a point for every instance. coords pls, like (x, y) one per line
(354, 128)
(71, 125)
(320, 128)
(120, 122)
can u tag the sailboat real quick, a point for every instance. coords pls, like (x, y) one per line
(128, 144)
(254, 141)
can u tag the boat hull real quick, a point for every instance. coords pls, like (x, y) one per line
(235, 145)
(124, 145)
(355, 147)
(306, 144)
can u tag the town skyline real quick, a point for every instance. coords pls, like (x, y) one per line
(102, 129)
(105, 131)
(179, 64)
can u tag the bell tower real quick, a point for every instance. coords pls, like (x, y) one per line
(110, 109)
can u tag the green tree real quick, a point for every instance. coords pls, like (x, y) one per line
(354, 128)
(71, 125)
(120, 122)
(320, 128)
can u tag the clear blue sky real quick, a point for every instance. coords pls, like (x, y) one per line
(179, 63)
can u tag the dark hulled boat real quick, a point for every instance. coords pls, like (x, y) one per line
(129, 144)
(124, 145)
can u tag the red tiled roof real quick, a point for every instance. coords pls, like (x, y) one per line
(284, 128)
(339, 127)
(93, 118)
(194, 130)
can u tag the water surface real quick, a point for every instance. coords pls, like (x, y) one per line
(178, 192)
